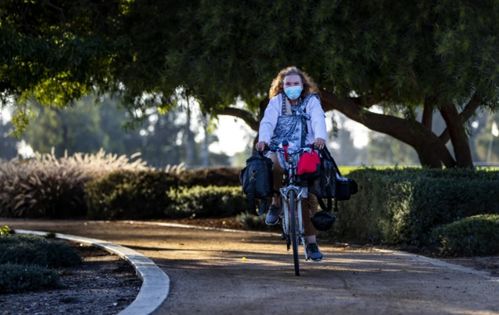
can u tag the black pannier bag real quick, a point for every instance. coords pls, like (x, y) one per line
(325, 185)
(345, 187)
(330, 184)
(257, 181)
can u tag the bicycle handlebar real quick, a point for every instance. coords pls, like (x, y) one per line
(282, 150)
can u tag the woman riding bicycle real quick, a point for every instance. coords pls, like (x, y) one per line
(293, 93)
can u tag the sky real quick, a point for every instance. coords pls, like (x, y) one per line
(233, 136)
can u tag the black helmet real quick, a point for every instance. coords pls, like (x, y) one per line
(323, 220)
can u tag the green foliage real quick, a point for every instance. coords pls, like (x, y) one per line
(5, 230)
(216, 176)
(16, 278)
(56, 51)
(402, 206)
(207, 201)
(472, 236)
(394, 51)
(129, 195)
(393, 54)
(36, 250)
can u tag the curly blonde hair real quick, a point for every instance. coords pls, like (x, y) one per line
(309, 85)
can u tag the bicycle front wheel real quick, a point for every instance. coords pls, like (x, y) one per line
(293, 230)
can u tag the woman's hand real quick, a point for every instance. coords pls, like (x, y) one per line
(260, 146)
(319, 143)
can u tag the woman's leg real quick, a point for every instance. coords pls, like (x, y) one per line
(309, 208)
(274, 212)
(277, 173)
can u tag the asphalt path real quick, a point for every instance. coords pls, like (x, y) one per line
(215, 272)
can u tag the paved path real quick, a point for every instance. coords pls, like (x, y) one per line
(241, 273)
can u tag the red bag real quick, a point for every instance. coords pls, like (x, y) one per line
(309, 163)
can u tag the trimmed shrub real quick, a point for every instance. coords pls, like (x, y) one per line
(36, 250)
(129, 195)
(473, 236)
(402, 206)
(220, 176)
(19, 278)
(211, 201)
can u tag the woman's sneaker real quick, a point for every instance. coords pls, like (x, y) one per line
(313, 252)
(272, 216)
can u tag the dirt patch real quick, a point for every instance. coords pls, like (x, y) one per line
(486, 263)
(102, 284)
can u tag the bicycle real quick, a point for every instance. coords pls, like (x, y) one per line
(292, 194)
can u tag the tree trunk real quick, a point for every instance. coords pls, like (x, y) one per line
(205, 153)
(65, 131)
(426, 158)
(427, 118)
(457, 135)
(466, 114)
(189, 137)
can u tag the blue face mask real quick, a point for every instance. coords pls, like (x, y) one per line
(293, 92)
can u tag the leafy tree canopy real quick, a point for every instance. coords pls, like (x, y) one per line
(397, 54)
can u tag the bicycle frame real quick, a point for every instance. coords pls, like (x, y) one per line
(301, 192)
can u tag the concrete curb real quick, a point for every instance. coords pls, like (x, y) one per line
(155, 282)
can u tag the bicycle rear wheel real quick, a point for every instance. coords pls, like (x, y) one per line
(293, 230)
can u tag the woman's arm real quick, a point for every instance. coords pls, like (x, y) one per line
(317, 118)
(269, 120)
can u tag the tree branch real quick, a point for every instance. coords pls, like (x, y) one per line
(466, 114)
(407, 131)
(458, 135)
(245, 115)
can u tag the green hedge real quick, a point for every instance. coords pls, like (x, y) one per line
(36, 250)
(211, 201)
(130, 195)
(473, 236)
(64, 190)
(20, 278)
(402, 206)
(154, 194)
(219, 176)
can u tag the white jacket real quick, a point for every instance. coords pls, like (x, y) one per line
(316, 126)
